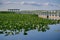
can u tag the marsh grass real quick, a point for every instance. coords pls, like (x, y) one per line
(17, 22)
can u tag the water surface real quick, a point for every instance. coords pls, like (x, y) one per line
(52, 33)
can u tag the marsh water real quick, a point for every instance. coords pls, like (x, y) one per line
(52, 32)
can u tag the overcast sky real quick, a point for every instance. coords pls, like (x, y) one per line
(30, 4)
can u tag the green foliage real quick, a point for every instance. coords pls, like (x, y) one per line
(17, 22)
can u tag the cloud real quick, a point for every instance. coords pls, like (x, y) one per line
(8, 2)
(0, 3)
(39, 4)
(45, 4)
(22, 3)
(31, 3)
(26, 3)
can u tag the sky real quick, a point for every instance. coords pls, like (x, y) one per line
(30, 4)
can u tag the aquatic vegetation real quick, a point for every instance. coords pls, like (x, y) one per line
(12, 23)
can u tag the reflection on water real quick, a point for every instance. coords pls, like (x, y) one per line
(17, 29)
